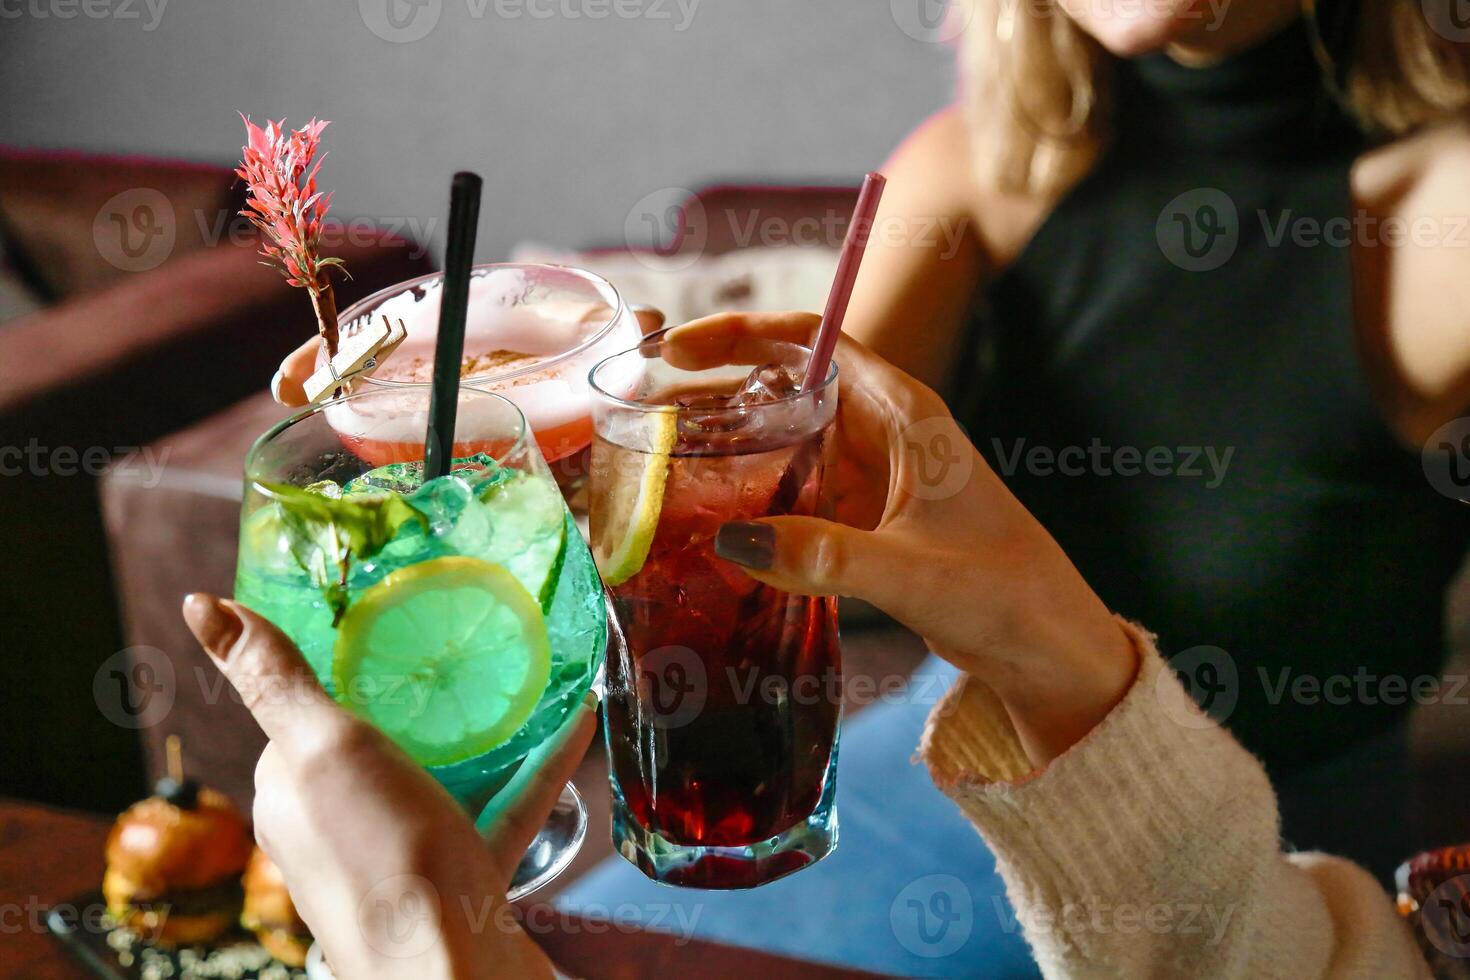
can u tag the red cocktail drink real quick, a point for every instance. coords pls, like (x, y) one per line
(723, 697)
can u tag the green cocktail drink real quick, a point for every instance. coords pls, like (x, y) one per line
(462, 616)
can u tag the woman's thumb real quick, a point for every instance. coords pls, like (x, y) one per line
(267, 669)
(810, 556)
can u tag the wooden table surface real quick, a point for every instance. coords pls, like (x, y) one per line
(49, 856)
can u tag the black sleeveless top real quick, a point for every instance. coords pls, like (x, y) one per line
(1163, 313)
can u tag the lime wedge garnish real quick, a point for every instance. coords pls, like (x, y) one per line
(528, 531)
(448, 657)
(628, 511)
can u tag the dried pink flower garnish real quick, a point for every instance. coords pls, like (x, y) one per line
(284, 204)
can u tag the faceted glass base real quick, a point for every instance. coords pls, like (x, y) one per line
(748, 866)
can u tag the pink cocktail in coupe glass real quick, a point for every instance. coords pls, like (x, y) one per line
(533, 333)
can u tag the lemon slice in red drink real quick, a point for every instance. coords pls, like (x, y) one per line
(448, 657)
(631, 505)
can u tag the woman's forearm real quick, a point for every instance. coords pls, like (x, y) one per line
(1059, 661)
(1054, 703)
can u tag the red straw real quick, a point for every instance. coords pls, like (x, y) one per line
(848, 264)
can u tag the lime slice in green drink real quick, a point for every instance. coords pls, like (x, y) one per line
(448, 657)
(633, 501)
(529, 531)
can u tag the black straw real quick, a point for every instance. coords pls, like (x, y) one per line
(459, 257)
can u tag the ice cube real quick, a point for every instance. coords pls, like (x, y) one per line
(402, 478)
(442, 501)
(766, 383)
(481, 471)
(707, 413)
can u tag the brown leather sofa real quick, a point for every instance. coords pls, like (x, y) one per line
(157, 313)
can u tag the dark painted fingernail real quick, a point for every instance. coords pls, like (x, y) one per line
(216, 626)
(749, 544)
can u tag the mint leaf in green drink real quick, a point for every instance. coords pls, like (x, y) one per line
(327, 533)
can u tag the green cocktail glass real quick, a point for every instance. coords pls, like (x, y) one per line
(463, 615)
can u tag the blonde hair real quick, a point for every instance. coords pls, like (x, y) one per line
(1036, 87)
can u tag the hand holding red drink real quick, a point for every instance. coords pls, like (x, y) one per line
(722, 691)
(960, 562)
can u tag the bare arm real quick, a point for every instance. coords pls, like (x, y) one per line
(940, 235)
(1411, 251)
(924, 259)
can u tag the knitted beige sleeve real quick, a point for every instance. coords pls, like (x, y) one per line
(1151, 848)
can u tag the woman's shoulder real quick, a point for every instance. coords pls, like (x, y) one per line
(1411, 248)
(936, 167)
(1432, 160)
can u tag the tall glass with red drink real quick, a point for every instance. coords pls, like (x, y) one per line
(723, 694)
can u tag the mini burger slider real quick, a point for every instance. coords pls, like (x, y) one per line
(270, 914)
(174, 862)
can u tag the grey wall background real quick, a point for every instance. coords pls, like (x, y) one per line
(576, 121)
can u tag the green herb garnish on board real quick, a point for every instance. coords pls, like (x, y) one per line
(327, 534)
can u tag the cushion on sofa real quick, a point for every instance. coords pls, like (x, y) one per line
(686, 287)
(82, 221)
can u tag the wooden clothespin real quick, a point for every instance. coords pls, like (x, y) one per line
(361, 353)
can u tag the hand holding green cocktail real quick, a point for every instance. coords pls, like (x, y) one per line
(462, 615)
